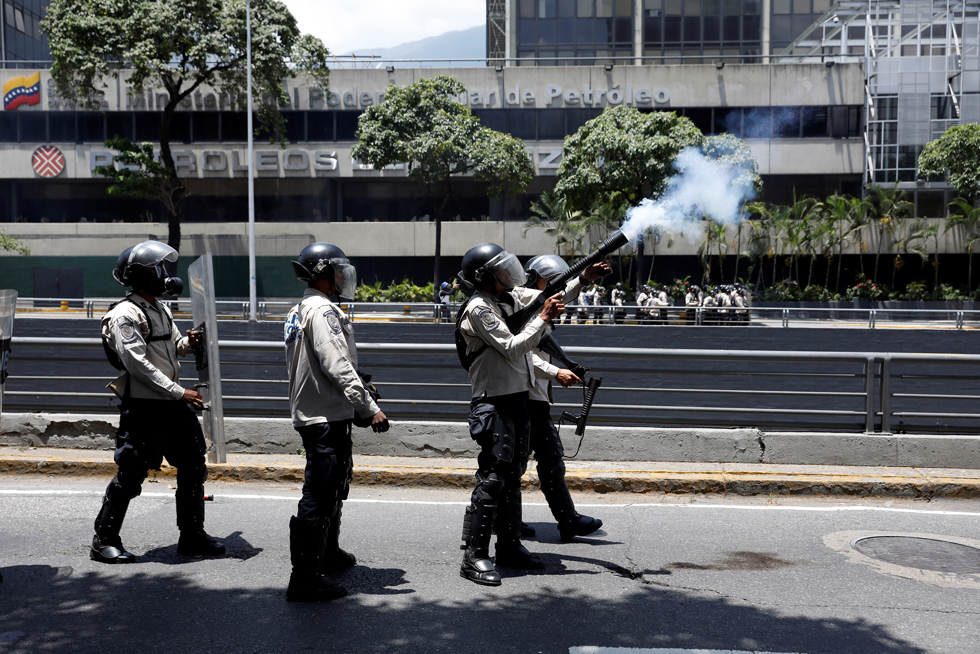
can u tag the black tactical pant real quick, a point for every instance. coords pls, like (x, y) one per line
(549, 453)
(149, 432)
(499, 425)
(329, 468)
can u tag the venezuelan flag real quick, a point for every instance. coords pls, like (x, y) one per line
(22, 90)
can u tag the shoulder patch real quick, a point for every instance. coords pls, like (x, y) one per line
(292, 331)
(488, 318)
(333, 321)
(127, 329)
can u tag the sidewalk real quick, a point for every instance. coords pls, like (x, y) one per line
(598, 477)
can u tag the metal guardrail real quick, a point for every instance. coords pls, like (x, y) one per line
(423, 312)
(860, 391)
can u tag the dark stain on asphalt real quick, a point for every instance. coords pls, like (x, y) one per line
(737, 561)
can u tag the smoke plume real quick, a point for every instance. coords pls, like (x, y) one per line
(702, 188)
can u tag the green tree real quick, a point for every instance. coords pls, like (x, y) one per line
(966, 218)
(911, 236)
(956, 156)
(888, 206)
(10, 244)
(622, 156)
(424, 126)
(179, 45)
(566, 227)
(846, 216)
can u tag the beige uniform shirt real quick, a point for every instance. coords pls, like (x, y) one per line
(641, 299)
(152, 368)
(544, 370)
(322, 360)
(690, 300)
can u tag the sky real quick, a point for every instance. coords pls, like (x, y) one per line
(346, 25)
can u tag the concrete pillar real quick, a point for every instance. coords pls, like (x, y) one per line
(766, 18)
(638, 32)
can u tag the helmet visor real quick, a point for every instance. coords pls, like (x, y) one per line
(150, 253)
(345, 278)
(547, 266)
(507, 269)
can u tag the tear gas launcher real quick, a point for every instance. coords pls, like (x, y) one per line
(548, 344)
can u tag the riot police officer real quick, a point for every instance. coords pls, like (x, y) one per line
(156, 420)
(641, 303)
(501, 373)
(326, 395)
(545, 443)
(691, 305)
(617, 300)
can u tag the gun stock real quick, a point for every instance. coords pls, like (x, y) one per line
(582, 419)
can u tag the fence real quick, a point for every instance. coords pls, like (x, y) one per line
(767, 316)
(861, 391)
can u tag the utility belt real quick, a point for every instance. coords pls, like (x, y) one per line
(488, 429)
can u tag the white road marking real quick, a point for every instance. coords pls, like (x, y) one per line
(638, 505)
(636, 650)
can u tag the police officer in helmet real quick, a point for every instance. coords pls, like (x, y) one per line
(156, 420)
(545, 443)
(501, 373)
(327, 395)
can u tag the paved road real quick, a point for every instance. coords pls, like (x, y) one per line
(667, 572)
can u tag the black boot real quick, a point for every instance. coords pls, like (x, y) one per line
(527, 531)
(512, 554)
(477, 525)
(305, 545)
(579, 525)
(335, 559)
(193, 540)
(107, 547)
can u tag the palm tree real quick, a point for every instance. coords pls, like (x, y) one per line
(552, 215)
(846, 216)
(908, 234)
(968, 219)
(888, 206)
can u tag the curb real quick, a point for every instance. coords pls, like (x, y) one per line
(602, 481)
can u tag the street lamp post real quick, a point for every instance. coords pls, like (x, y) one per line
(251, 165)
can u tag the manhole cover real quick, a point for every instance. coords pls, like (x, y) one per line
(921, 553)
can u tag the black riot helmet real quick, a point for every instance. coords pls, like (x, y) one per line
(545, 267)
(485, 261)
(619, 286)
(327, 261)
(143, 267)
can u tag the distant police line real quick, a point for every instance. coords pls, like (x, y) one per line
(289, 160)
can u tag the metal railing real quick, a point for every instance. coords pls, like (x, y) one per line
(762, 315)
(857, 391)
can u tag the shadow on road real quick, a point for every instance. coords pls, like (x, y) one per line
(236, 548)
(125, 609)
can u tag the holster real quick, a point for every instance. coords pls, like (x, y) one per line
(488, 430)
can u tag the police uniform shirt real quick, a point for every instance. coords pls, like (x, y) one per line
(544, 370)
(690, 300)
(152, 369)
(641, 299)
(321, 356)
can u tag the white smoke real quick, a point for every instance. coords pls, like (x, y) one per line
(701, 188)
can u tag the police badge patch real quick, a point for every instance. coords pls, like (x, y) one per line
(333, 321)
(128, 330)
(488, 318)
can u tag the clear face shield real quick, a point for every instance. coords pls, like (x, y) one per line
(345, 278)
(507, 270)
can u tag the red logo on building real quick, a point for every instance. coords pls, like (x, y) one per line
(48, 161)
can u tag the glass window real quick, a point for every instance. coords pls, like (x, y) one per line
(525, 32)
(526, 9)
(523, 123)
(751, 28)
(701, 117)
(731, 28)
(148, 127)
(551, 124)
(653, 7)
(672, 57)
(527, 58)
(33, 127)
(295, 126)
(546, 57)
(61, 127)
(906, 156)
(578, 117)
(119, 123)
(566, 8)
(672, 28)
(604, 8)
(566, 31)
(728, 121)
(731, 7)
(604, 30)
(586, 57)
(585, 8)
(781, 6)
(319, 126)
(692, 29)
(8, 126)
(800, 23)
(814, 122)
(546, 9)
(751, 7)
(347, 125)
(673, 7)
(495, 119)
(206, 125)
(801, 6)
(624, 30)
(234, 126)
(758, 123)
(652, 30)
(821, 6)
(930, 204)
(712, 28)
(855, 32)
(786, 122)
(692, 7)
(547, 32)
(624, 7)
(91, 127)
(585, 30)
(712, 7)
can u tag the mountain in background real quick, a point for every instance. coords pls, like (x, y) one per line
(462, 44)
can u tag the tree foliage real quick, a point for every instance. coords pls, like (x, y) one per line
(425, 127)
(10, 244)
(956, 155)
(622, 156)
(179, 45)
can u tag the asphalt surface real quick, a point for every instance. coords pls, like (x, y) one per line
(676, 572)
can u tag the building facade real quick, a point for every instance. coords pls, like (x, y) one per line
(21, 41)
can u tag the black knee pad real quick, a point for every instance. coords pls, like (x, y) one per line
(548, 470)
(489, 487)
(128, 484)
